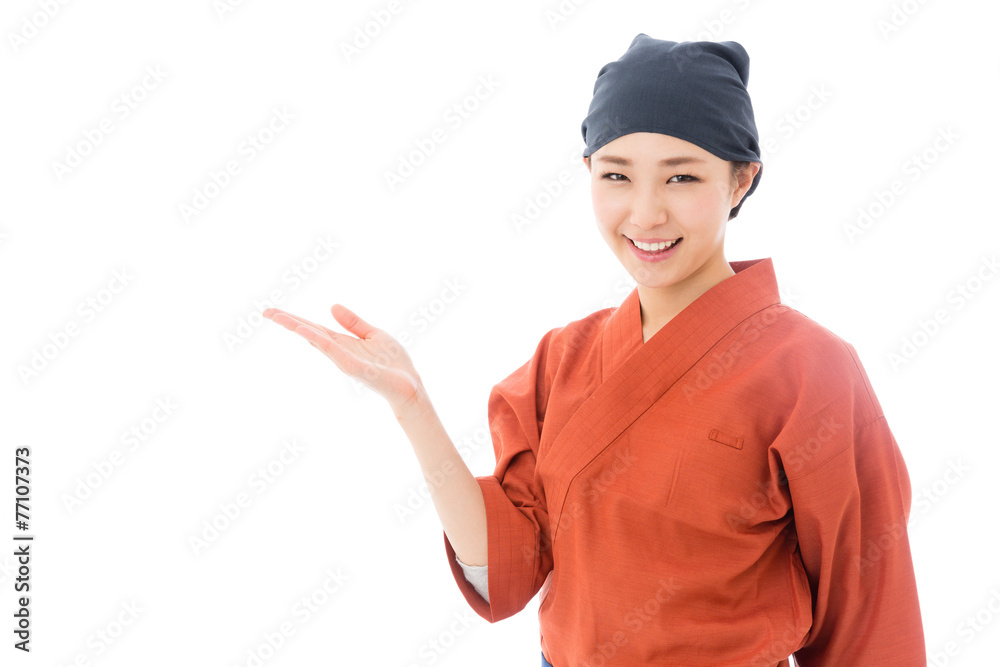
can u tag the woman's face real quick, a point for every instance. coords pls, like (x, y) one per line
(651, 187)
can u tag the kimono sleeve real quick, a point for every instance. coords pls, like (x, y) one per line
(851, 496)
(517, 521)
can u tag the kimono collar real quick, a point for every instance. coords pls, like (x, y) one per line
(715, 312)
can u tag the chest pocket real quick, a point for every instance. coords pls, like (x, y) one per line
(686, 463)
(736, 442)
(688, 466)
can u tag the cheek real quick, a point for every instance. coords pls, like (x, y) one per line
(607, 210)
(704, 206)
(724, 192)
(691, 213)
(699, 218)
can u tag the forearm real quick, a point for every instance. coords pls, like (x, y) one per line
(454, 490)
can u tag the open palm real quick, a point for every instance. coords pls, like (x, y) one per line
(374, 358)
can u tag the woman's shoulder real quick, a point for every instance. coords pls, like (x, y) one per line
(814, 359)
(560, 349)
(570, 344)
(802, 337)
(579, 335)
(581, 328)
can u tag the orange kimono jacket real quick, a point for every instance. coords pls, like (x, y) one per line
(727, 493)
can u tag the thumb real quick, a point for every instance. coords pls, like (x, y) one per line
(351, 321)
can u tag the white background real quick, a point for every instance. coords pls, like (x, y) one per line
(447, 231)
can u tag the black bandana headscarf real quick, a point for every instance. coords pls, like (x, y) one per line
(695, 91)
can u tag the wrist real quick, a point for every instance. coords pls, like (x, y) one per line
(416, 407)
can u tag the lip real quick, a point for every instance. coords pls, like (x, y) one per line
(652, 240)
(653, 257)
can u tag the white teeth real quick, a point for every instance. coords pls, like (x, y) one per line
(654, 247)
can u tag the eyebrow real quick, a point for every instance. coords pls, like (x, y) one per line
(666, 162)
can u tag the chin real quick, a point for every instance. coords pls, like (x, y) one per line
(655, 279)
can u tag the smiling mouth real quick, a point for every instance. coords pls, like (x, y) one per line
(654, 248)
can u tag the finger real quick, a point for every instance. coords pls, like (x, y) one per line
(290, 322)
(274, 313)
(347, 362)
(315, 338)
(270, 313)
(287, 320)
(350, 321)
(318, 340)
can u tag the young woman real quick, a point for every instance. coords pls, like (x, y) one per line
(701, 476)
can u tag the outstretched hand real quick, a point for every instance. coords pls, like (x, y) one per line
(374, 358)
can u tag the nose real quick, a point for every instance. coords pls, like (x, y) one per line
(648, 208)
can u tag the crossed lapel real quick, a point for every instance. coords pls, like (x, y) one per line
(636, 374)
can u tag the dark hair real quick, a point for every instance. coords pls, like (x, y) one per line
(738, 168)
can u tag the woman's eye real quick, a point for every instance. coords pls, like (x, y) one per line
(616, 177)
